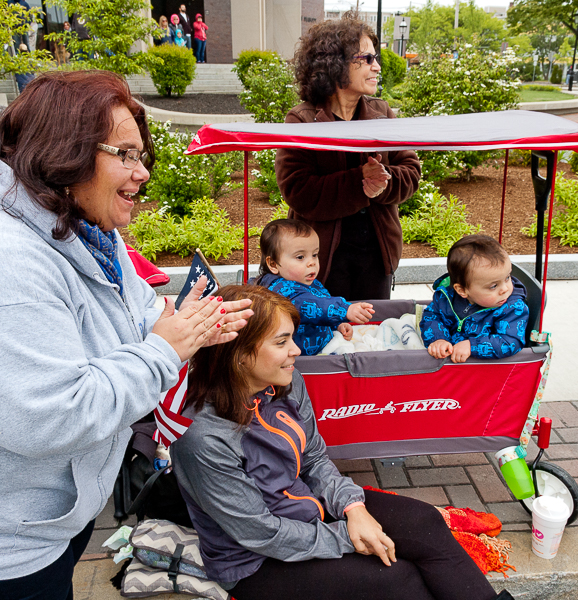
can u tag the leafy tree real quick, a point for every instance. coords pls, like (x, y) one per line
(114, 26)
(442, 85)
(432, 28)
(15, 20)
(548, 24)
(531, 15)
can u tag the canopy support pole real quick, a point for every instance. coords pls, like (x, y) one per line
(548, 235)
(246, 219)
(504, 195)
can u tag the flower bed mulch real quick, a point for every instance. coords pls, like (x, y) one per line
(481, 195)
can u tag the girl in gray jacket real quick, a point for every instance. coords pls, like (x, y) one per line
(274, 516)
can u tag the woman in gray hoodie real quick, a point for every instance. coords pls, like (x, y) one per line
(83, 352)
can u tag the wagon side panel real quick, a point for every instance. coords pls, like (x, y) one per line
(470, 407)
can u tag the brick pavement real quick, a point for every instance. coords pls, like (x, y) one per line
(471, 480)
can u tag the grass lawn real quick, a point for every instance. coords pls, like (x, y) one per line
(545, 96)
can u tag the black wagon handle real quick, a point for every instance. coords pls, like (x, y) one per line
(544, 188)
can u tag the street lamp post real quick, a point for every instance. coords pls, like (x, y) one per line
(402, 28)
(574, 56)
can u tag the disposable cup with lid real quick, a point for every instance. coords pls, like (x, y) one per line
(549, 517)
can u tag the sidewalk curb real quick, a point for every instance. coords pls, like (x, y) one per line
(410, 270)
(536, 578)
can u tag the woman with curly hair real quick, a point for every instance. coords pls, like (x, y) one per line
(350, 199)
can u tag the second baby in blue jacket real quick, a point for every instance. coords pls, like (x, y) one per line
(289, 266)
(478, 308)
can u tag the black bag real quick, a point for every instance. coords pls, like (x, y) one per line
(143, 491)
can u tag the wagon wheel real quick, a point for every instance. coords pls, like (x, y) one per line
(552, 480)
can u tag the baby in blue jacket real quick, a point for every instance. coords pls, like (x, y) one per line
(289, 266)
(478, 308)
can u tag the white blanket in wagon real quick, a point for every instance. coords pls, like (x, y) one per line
(391, 334)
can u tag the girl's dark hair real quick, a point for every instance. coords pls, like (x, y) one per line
(466, 253)
(270, 240)
(49, 136)
(216, 374)
(324, 55)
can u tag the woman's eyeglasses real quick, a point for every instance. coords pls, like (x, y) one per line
(368, 58)
(129, 157)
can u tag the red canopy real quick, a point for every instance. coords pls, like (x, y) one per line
(477, 131)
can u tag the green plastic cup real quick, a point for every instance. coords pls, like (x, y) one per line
(515, 473)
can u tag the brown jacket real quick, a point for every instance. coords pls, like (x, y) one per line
(320, 190)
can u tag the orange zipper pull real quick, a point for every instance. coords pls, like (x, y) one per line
(285, 418)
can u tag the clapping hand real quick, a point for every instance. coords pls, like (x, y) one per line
(375, 177)
(201, 322)
(235, 319)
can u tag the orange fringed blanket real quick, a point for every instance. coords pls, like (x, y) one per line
(476, 532)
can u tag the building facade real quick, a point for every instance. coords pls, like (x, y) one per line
(237, 25)
(366, 16)
(234, 25)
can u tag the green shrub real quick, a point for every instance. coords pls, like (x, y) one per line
(556, 76)
(176, 72)
(281, 212)
(573, 162)
(437, 221)
(393, 68)
(540, 88)
(248, 57)
(520, 158)
(270, 91)
(565, 219)
(177, 181)
(207, 227)
(265, 178)
(442, 85)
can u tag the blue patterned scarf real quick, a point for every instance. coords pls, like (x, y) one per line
(104, 248)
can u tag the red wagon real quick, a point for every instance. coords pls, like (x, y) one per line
(403, 403)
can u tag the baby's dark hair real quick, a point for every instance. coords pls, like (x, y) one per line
(270, 241)
(466, 253)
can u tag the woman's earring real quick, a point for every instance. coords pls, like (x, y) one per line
(67, 190)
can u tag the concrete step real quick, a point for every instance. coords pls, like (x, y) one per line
(214, 79)
(9, 88)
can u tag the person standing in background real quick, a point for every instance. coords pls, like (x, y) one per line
(174, 26)
(200, 38)
(32, 35)
(186, 25)
(167, 34)
(21, 38)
